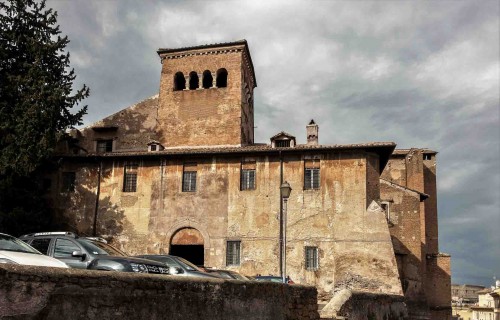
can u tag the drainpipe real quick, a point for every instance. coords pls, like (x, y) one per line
(98, 193)
(281, 216)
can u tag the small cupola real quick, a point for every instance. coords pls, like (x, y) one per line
(283, 140)
(154, 146)
(312, 133)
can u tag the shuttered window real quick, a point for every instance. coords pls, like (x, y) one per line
(233, 251)
(311, 174)
(311, 254)
(130, 178)
(189, 177)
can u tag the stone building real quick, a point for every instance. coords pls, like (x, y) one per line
(180, 173)
(465, 294)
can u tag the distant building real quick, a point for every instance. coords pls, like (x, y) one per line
(488, 306)
(180, 173)
(465, 294)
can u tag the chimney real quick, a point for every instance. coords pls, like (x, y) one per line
(312, 133)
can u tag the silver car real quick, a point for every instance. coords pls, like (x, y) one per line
(13, 250)
(179, 266)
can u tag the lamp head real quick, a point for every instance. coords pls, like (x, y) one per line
(285, 190)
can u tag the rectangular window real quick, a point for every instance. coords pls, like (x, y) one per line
(311, 174)
(189, 177)
(247, 178)
(41, 245)
(385, 206)
(282, 143)
(233, 251)
(68, 181)
(104, 146)
(130, 178)
(64, 248)
(312, 262)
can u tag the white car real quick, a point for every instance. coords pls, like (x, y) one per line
(13, 250)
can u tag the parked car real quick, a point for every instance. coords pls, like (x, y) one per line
(274, 279)
(179, 266)
(228, 274)
(89, 253)
(13, 250)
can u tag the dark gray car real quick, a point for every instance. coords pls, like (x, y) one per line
(180, 266)
(89, 253)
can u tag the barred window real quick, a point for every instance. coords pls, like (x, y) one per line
(233, 252)
(312, 262)
(68, 181)
(130, 178)
(311, 174)
(104, 146)
(247, 179)
(189, 177)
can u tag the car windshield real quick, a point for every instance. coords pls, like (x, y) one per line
(9, 243)
(100, 248)
(188, 265)
(238, 276)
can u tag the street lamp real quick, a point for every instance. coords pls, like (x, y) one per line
(285, 191)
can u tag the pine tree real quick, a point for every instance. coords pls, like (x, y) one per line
(36, 98)
(35, 86)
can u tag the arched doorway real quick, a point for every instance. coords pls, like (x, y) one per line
(188, 243)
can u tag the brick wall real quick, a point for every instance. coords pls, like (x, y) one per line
(50, 293)
(439, 285)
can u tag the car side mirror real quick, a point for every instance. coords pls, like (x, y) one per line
(175, 270)
(78, 253)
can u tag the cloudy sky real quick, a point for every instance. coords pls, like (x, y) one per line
(419, 73)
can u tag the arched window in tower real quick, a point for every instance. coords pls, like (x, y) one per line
(207, 79)
(179, 81)
(221, 78)
(193, 81)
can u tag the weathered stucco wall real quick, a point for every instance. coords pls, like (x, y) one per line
(52, 293)
(332, 218)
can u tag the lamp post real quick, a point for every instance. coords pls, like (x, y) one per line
(285, 191)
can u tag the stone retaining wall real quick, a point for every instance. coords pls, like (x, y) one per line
(357, 305)
(51, 293)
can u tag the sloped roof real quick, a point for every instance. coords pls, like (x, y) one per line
(383, 149)
(423, 196)
(104, 122)
(404, 152)
(282, 134)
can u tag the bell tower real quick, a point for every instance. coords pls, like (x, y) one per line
(206, 96)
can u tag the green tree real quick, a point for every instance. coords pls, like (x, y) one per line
(36, 98)
(36, 91)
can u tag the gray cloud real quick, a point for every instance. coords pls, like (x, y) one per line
(421, 74)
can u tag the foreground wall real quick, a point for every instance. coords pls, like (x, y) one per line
(51, 293)
(361, 305)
